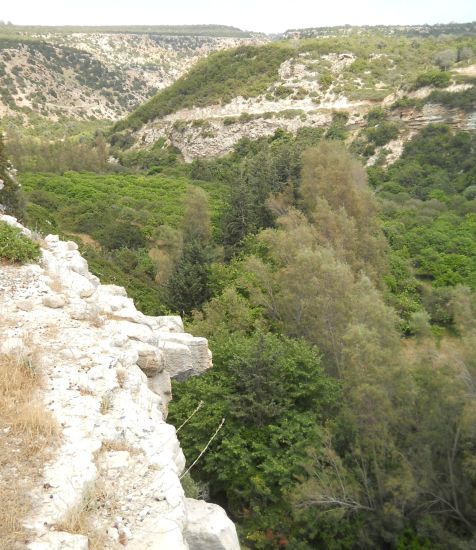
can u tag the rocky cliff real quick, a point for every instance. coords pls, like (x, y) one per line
(106, 369)
(211, 131)
(94, 75)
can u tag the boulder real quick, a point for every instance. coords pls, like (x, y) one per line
(185, 355)
(208, 527)
(151, 360)
(178, 360)
(54, 301)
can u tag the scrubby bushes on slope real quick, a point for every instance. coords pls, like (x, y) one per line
(245, 71)
(15, 247)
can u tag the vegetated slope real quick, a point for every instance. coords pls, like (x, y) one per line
(453, 29)
(342, 326)
(367, 441)
(217, 31)
(101, 73)
(252, 91)
(128, 225)
(247, 71)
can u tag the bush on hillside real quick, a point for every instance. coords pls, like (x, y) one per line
(438, 79)
(15, 247)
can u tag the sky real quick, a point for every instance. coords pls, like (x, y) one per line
(271, 16)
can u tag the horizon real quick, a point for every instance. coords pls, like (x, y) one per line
(248, 16)
(141, 26)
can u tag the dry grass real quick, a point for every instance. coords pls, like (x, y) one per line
(27, 435)
(55, 284)
(78, 520)
(109, 445)
(106, 403)
(121, 377)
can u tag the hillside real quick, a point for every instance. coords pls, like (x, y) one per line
(308, 208)
(448, 29)
(252, 91)
(98, 73)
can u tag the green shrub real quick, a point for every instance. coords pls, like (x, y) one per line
(438, 79)
(382, 133)
(15, 247)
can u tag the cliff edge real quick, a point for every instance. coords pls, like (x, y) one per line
(106, 372)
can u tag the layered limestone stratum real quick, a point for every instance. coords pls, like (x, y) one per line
(106, 369)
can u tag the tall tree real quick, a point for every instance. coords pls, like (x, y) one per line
(188, 285)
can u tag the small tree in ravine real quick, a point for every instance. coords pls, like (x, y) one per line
(188, 285)
(10, 194)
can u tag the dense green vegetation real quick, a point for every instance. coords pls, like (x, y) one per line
(429, 210)
(15, 247)
(10, 195)
(368, 443)
(127, 225)
(340, 314)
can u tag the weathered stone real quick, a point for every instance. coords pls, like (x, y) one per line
(108, 387)
(209, 528)
(151, 359)
(178, 360)
(54, 301)
(25, 305)
(161, 385)
(184, 355)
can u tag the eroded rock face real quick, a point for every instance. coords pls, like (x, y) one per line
(107, 370)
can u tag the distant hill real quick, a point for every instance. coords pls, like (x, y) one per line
(253, 90)
(453, 29)
(215, 31)
(102, 73)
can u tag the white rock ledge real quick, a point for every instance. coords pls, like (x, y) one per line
(107, 370)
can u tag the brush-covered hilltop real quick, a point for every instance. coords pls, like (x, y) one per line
(330, 81)
(98, 72)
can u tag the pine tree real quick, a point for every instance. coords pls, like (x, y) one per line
(188, 286)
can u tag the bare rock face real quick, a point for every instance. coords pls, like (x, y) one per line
(107, 370)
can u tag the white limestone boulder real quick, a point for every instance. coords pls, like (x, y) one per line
(151, 359)
(209, 528)
(167, 323)
(184, 355)
(54, 301)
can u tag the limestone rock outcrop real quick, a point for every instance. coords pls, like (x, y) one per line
(208, 527)
(106, 370)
